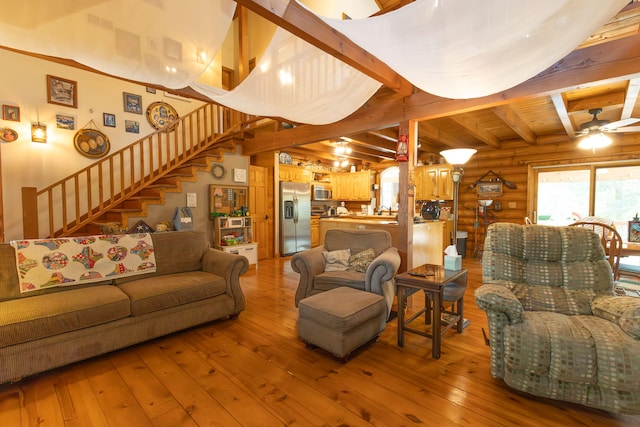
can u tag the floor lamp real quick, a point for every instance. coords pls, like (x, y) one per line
(457, 157)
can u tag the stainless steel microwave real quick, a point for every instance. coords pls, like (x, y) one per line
(321, 192)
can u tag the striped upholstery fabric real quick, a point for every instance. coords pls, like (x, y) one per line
(556, 328)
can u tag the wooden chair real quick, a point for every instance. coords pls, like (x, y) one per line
(611, 242)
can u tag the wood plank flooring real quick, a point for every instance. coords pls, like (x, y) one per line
(253, 371)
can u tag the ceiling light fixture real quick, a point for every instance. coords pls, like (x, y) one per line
(342, 148)
(594, 139)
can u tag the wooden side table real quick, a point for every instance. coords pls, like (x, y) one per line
(431, 279)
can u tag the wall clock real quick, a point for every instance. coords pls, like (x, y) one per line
(160, 115)
(91, 143)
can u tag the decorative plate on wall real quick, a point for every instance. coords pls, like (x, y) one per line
(8, 135)
(285, 158)
(161, 115)
(91, 143)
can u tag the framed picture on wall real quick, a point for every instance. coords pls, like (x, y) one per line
(109, 119)
(132, 126)
(9, 112)
(489, 189)
(132, 103)
(62, 91)
(634, 231)
(65, 121)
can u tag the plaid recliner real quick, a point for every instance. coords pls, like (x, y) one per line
(556, 328)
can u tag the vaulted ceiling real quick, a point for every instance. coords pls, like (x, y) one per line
(604, 72)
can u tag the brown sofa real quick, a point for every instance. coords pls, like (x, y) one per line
(45, 329)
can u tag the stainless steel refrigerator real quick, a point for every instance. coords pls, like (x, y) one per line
(295, 217)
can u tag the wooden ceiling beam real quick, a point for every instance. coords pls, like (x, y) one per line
(560, 103)
(610, 99)
(302, 23)
(631, 97)
(473, 128)
(375, 142)
(434, 133)
(513, 120)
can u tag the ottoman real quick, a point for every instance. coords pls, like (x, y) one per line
(341, 320)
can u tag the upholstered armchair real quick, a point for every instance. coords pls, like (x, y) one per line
(556, 328)
(361, 259)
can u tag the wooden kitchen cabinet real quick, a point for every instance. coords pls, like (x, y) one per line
(294, 173)
(352, 186)
(315, 231)
(433, 182)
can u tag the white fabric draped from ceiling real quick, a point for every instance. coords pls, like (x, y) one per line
(468, 49)
(451, 48)
(145, 41)
(297, 81)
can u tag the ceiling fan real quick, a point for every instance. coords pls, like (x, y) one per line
(596, 125)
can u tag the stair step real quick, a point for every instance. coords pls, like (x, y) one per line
(124, 210)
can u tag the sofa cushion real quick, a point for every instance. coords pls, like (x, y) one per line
(360, 261)
(336, 260)
(571, 350)
(160, 292)
(332, 279)
(357, 240)
(40, 316)
(175, 254)
(10, 284)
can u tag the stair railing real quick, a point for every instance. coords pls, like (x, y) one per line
(75, 201)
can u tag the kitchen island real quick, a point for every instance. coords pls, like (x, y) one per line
(430, 238)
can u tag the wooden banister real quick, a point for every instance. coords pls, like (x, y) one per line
(75, 201)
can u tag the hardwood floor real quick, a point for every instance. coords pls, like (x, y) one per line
(253, 371)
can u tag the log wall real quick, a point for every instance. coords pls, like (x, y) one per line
(512, 163)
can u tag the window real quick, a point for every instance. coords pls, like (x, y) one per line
(564, 195)
(389, 180)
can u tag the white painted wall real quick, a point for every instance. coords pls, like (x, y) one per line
(30, 164)
(202, 221)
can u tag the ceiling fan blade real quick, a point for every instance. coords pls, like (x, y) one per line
(620, 123)
(627, 129)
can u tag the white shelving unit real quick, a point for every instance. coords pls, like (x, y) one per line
(234, 234)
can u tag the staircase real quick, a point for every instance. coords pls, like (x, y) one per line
(125, 183)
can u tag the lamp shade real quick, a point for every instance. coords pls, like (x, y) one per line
(458, 156)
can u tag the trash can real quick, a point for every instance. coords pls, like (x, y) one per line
(461, 242)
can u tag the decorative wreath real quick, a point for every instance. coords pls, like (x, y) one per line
(218, 171)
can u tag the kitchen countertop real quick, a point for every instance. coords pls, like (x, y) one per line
(362, 219)
(372, 219)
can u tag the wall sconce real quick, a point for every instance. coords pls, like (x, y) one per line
(38, 132)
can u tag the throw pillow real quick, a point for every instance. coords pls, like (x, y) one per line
(336, 260)
(360, 261)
